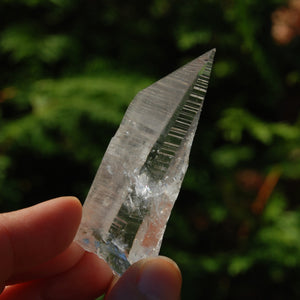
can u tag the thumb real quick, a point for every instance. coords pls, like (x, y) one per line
(151, 278)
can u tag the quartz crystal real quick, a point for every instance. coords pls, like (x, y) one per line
(138, 181)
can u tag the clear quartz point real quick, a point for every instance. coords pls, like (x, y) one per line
(138, 181)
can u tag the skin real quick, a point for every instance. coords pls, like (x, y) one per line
(40, 261)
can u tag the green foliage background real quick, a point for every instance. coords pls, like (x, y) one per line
(70, 68)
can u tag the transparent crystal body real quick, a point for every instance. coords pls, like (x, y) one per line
(138, 181)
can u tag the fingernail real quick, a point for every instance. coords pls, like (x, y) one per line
(160, 279)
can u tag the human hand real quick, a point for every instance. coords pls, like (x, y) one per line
(39, 261)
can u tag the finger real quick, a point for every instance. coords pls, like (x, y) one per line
(59, 264)
(89, 279)
(33, 235)
(153, 278)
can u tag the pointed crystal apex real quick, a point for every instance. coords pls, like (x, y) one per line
(138, 181)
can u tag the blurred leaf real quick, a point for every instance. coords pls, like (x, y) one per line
(24, 41)
(275, 208)
(229, 156)
(239, 264)
(19, 40)
(188, 40)
(224, 68)
(235, 121)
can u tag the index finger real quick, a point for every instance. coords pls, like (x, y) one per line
(33, 235)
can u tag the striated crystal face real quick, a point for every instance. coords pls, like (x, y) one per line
(138, 181)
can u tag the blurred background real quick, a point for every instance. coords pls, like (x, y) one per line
(69, 69)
